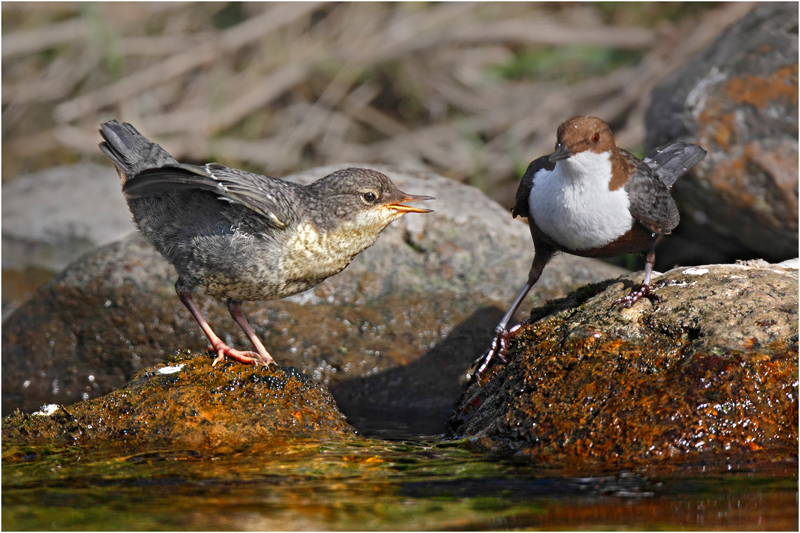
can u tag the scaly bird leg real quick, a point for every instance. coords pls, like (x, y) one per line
(235, 308)
(501, 334)
(217, 345)
(643, 290)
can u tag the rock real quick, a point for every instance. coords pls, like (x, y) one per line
(710, 371)
(738, 100)
(52, 217)
(391, 335)
(187, 403)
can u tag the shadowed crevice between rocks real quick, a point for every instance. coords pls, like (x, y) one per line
(415, 399)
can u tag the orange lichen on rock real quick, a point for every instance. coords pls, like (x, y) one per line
(717, 126)
(759, 92)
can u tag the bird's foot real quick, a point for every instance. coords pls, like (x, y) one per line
(247, 358)
(642, 291)
(497, 350)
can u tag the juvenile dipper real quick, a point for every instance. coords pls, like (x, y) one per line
(592, 199)
(243, 236)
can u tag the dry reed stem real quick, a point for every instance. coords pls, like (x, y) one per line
(26, 42)
(177, 65)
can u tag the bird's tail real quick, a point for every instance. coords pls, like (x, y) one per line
(130, 151)
(673, 160)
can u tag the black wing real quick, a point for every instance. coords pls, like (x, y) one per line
(673, 160)
(269, 197)
(650, 201)
(522, 206)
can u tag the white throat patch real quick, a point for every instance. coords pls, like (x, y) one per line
(573, 206)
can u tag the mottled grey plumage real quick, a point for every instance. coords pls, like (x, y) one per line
(243, 236)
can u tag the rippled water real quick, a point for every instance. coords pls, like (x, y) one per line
(369, 484)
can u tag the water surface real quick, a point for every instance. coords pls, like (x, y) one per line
(373, 484)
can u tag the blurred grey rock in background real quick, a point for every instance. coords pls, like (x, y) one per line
(738, 100)
(53, 216)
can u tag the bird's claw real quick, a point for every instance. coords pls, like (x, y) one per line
(247, 358)
(497, 350)
(642, 291)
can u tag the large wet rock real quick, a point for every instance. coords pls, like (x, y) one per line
(187, 403)
(738, 100)
(390, 336)
(709, 371)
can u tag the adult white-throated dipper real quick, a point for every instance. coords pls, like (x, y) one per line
(592, 199)
(243, 236)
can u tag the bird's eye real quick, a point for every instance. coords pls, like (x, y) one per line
(596, 138)
(369, 197)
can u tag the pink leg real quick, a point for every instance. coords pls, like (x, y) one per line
(643, 290)
(235, 308)
(217, 345)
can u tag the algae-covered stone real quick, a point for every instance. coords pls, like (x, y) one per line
(187, 402)
(710, 370)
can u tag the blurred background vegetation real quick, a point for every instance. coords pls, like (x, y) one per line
(472, 91)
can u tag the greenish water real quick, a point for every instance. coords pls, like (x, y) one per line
(368, 484)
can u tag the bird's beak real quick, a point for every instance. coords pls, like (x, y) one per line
(400, 208)
(562, 152)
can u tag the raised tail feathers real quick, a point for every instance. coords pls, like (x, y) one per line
(130, 151)
(673, 160)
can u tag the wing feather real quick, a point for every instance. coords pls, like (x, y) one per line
(269, 197)
(673, 160)
(650, 201)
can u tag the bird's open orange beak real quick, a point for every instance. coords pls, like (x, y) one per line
(399, 207)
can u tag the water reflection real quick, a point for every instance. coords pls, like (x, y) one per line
(363, 484)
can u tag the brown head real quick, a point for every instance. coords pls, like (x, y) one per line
(581, 134)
